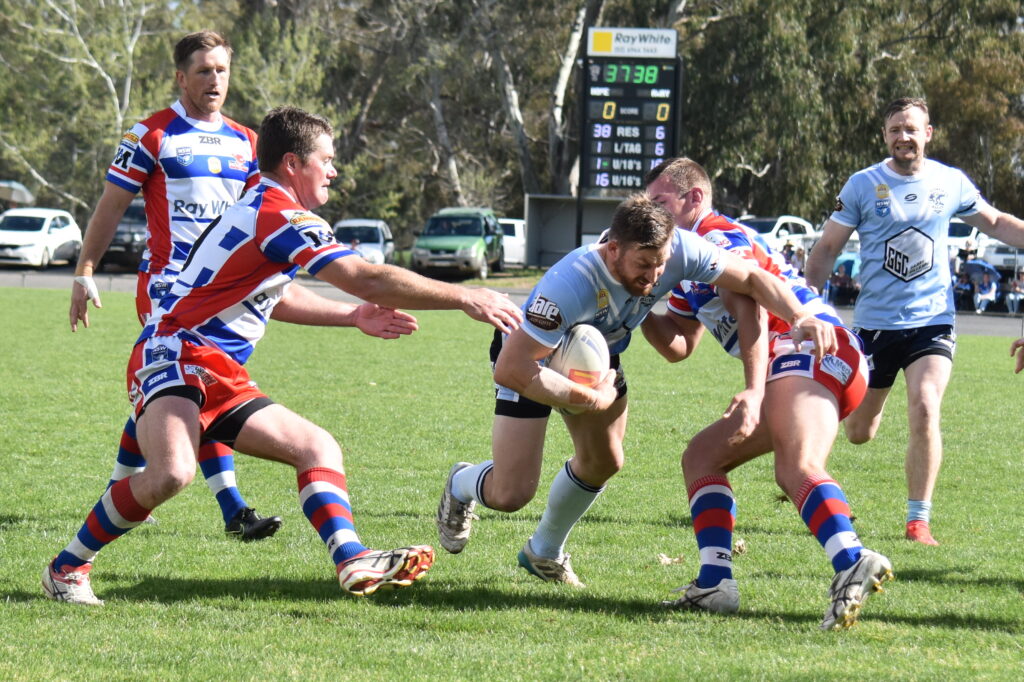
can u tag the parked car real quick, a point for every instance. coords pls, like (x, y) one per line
(514, 239)
(129, 242)
(375, 242)
(1007, 260)
(465, 241)
(778, 230)
(38, 236)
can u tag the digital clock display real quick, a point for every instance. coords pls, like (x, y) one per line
(630, 111)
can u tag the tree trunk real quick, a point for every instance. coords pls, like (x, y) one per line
(437, 109)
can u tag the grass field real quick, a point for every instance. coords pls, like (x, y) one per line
(185, 602)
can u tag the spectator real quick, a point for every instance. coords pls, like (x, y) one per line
(984, 293)
(797, 259)
(1015, 293)
(963, 292)
(844, 288)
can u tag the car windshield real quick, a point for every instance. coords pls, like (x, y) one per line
(454, 226)
(509, 229)
(364, 233)
(762, 225)
(22, 223)
(959, 229)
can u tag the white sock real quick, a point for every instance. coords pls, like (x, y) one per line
(468, 484)
(568, 500)
(919, 510)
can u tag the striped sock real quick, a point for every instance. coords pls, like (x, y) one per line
(713, 510)
(116, 513)
(568, 500)
(323, 494)
(217, 463)
(129, 455)
(468, 484)
(824, 509)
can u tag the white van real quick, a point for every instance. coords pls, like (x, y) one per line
(374, 240)
(515, 240)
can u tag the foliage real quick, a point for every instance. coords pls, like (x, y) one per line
(437, 103)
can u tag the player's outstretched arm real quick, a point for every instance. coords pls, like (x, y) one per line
(995, 223)
(301, 305)
(394, 287)
(98, 235)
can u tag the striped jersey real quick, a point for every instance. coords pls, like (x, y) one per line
(239, 269)
(189, 172)
(580, 289)
(903, 224)
(700, 301)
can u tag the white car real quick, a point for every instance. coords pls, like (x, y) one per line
(778, 230)
(514, 240)
(373, 238)
(38, 236)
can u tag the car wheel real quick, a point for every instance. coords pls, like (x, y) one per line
(500, 265)
(44, 260)
(482, 271)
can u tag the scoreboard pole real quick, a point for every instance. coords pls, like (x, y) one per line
(629, 109)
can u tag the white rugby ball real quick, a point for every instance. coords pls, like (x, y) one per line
(582, 357)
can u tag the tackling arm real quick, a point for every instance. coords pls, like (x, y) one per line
(753, 345)
(301, 305)
(674, 336)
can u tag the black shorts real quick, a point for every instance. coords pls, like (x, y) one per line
(508, 403)
(890, 350)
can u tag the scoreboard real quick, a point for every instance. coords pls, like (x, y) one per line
(630, 110)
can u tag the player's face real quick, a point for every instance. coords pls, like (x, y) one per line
(313, 175)
(204, 84)
(680, 204)
(638, 270)
(906, 134)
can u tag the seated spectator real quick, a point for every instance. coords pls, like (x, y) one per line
(844, 288)
(963, 292)
(984, 293)
(796, 261)
(1015, 293)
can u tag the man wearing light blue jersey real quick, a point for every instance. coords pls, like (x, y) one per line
(901, 208)
(611, 285)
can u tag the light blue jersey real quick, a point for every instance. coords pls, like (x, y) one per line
(580, 289)
(903, 223)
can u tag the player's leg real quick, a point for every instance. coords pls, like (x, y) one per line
(169, 435)
(217, 462)
(884, 353)
(274, 432)
(927, 378)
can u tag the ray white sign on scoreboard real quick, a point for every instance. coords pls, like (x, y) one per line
(630, 105)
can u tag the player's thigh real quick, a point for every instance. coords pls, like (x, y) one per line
(862, 424)
(517, 449)
(927, 379)
(274, 432)
(168, 435)
(803, 417)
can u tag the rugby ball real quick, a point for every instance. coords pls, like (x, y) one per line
(582, 357)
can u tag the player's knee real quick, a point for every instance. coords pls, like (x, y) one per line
(858, 434)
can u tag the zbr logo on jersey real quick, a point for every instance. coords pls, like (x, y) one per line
(544, 314)
(184, 155)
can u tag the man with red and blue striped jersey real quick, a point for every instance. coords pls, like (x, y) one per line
(791, 405)
(186, 375)
(190, 162)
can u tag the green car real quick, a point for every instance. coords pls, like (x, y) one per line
(460, 241)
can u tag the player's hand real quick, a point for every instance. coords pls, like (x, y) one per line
(498, 310)
(385, 323)
(1017, 348)
(605, 391)
(746, 406)
(83, 289)
(822, 334)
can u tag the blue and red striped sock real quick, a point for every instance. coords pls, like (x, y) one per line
(323, 494)
(217, 462)
(129, 455)
(713, 509)
(824, 509)
(116, 513)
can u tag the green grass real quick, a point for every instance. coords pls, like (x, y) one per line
(185, 602)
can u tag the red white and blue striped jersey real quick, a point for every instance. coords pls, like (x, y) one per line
(239, 269)
(700, 301)
(189, 172)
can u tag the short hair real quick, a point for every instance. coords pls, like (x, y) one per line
(288, 129)
(194, 42)
(902, 104)
(638, 221)
(684, 174)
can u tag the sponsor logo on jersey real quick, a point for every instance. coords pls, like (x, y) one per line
(159, 354)
(209, 139)
(162, 377)
(238, 163)
(544, 314)
(198, 209)
(909, 254)
(123, 157)
(603, 307)
(833, 366)
(791, 363)
(213, 163)
(184, 155)
(201, 373)
(839, 205)
(648, 301)
(937, 200)
(131, 138)
(882, 207)
(910, 198)
(303, 219)
(882, 191)
(719, 239)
